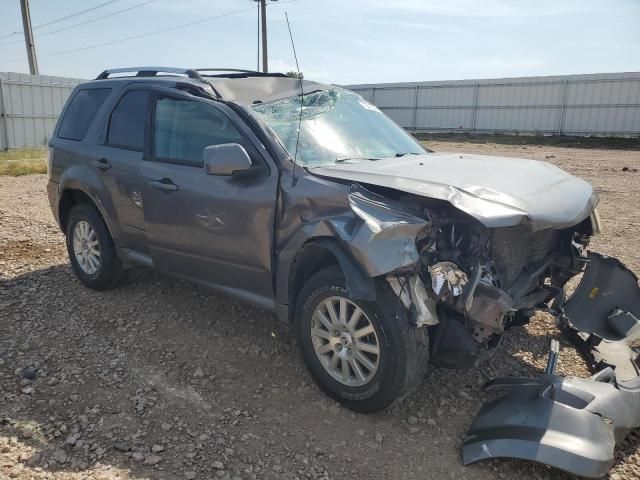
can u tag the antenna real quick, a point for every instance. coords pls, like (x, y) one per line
(293, 46)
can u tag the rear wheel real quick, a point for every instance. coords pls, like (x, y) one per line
(366, 355)
(91, 249)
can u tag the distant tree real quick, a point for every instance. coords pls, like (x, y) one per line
(295, 74)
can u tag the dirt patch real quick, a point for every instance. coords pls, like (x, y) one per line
(610, 143)
(163, 379)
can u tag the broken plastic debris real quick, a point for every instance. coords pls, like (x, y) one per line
(412, 291)
(447, 278)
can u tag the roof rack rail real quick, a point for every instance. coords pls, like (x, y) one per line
(238, 72)
(151, 72)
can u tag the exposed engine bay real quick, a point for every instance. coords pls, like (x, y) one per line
(471, 282)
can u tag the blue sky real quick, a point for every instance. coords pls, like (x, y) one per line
(338, 41)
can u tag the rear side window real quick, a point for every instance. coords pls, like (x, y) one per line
(81, 112)
(126, 127)
(182, 128)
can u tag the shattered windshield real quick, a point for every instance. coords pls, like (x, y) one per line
(337, 126)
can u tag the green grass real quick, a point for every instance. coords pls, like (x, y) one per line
(23, 162)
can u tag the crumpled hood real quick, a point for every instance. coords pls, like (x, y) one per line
(497, 191)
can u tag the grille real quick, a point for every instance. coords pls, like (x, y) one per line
(515, 248)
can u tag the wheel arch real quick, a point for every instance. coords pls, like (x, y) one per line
(319, 253)
(69, 197)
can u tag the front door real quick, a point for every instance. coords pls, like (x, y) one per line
(215, 229)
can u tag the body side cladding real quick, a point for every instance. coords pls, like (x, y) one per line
(359, 285)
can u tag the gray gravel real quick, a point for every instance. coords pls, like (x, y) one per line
(162, 379)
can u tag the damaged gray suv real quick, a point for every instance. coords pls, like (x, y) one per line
(306, 200)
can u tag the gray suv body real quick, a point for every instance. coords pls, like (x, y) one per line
(306, 200)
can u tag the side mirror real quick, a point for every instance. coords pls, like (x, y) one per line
(225, 159)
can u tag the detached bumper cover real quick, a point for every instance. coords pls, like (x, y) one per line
(602, 317)
(572, 423)
(568, 423)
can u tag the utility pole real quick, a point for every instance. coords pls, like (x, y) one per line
(28, 37)
(263, 10)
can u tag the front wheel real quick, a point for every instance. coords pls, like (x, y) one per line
(366, 355)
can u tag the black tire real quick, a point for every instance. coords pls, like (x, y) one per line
(110, 272)
(404, 349)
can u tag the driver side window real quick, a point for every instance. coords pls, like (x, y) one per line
(183, 128)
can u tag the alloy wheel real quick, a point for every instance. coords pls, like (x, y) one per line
(86, 247)
(345, 341)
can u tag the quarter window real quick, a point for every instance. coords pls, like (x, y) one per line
(126, 127)
(81, 112)
(183, 128)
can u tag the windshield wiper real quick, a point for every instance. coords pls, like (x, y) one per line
(406, 153)
(346, 159)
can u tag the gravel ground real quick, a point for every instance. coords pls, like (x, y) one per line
(162, 379)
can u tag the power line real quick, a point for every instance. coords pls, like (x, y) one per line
(82, 12)
(134, 37)
(142, 35)
(9, 34)
(85, 22)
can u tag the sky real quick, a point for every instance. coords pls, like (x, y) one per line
(337, 41)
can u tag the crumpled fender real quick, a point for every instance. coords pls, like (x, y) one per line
(369, 235)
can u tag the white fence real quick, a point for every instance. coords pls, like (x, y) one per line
(600, 104)
(29, 108)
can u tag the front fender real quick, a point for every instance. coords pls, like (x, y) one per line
(370, 236)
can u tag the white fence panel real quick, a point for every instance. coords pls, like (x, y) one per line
(598, 104)
(29, 108)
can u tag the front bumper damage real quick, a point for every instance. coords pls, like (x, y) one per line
(573, 423)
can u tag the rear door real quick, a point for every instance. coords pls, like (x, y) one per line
(116, 159)
(215, 229)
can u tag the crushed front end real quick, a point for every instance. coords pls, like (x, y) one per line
(472, 282)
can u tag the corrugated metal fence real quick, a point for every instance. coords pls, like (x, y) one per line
(598, 104)
(29, 107)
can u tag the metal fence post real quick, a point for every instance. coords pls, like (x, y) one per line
(373, 95)
(475, 107)
(3, 117)
(415, 108)
(563, 106)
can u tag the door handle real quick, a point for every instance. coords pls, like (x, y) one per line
(101, 164)
(165, 185)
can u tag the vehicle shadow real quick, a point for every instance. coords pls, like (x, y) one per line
(218, 386)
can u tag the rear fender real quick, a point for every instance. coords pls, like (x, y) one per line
(82, 179)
